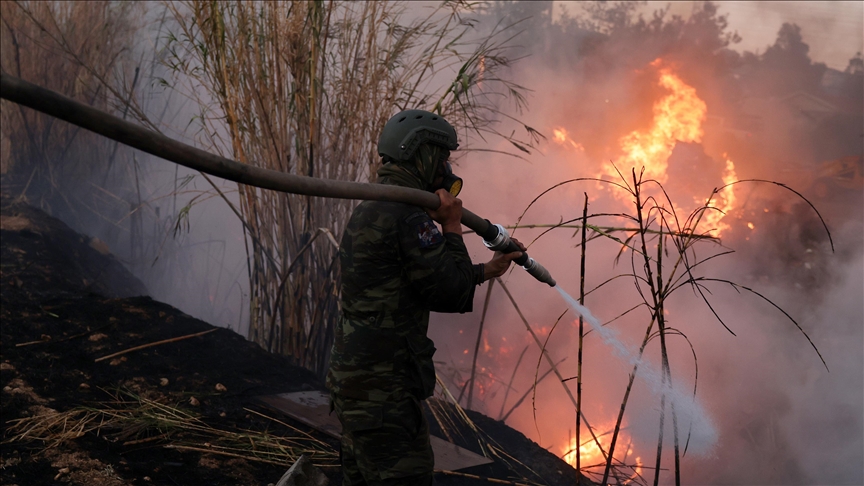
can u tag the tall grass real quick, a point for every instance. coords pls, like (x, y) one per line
(305, 87)
(103, 53)
(78, 49)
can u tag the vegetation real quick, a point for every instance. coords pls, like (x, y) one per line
(305, 87)
(79, 49)
(133, 420)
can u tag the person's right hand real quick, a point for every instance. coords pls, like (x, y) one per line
(500, 262)
(449, 213)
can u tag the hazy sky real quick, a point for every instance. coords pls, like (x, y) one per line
(833, 29)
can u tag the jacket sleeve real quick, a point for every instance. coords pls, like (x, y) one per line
(438, 267)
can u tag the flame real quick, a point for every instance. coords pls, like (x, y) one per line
(589, 452)
(561, 136)
(678, 116)
(720, 204)
(590, 455)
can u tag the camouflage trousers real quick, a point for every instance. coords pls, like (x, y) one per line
(384, 443)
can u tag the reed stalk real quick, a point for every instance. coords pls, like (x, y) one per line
(477, 345)
(510, 383)
(581, 337)
(552, 364)
(78, 49)
(655, 280)
(304, 88)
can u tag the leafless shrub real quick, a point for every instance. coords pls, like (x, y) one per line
(663, 259)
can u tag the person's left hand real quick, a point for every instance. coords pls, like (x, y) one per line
(500, 262)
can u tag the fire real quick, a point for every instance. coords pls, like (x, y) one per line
(678, 116)
(561, 136)
(722, 202)
(590, 455)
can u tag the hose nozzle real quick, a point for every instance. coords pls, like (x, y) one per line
(539, 272)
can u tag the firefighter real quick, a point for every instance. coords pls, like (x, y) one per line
(396, 268)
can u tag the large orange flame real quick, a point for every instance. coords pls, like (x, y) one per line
(678, 116)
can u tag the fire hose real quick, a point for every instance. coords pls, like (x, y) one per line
(495, 237)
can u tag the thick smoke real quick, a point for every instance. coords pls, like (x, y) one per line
(779, 115)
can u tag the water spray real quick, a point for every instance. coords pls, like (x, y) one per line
(703, 433)
(52, 103)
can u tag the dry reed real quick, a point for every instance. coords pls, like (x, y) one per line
(133, 420)
(305, 87)
(655, 221)
(78, 49)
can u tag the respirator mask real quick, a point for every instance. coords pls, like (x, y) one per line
(449, 181)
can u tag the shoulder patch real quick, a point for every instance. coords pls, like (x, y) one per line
(428, 234)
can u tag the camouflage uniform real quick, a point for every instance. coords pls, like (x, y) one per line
(396, 268)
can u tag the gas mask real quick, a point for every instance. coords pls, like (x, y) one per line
(444, 171)
(450, 182)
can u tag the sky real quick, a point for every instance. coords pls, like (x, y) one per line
(832, 29)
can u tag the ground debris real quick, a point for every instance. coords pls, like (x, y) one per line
(57, 385)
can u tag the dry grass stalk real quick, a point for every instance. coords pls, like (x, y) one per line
(305, 87)
(657, 222)
(480, 478)
(157, 343)
(78, 49)
(135, 420)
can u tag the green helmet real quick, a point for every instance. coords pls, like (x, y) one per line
(409, 129)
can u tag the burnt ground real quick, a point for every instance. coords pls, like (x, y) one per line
(66, 301)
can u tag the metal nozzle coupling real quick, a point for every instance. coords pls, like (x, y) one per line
(500, 242)
(539, 272)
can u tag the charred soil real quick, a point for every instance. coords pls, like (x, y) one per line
(66, 302)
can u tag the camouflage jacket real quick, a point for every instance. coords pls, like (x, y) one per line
(396, 268)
